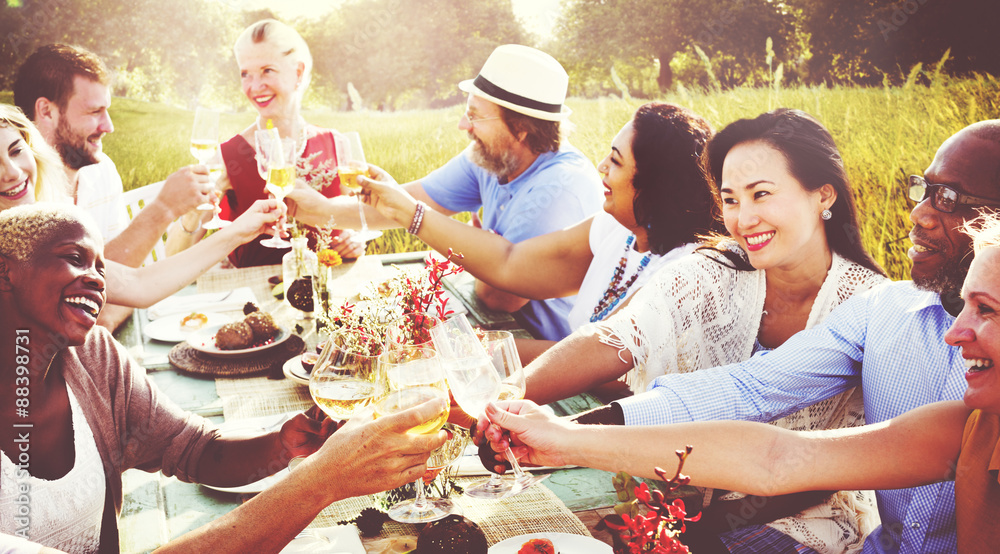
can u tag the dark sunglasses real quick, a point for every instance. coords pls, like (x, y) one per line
(944, 198)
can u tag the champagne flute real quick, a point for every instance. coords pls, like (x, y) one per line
(410, 376)
(475, 381)
(205, 147)
(279, 159)
(343, 380)
(351, 163)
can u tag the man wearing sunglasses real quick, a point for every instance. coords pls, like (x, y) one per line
(889, 339)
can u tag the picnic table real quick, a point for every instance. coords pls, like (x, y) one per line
(157, 508)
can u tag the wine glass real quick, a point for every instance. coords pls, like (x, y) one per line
(343, 380)
(278, 157)
(410, 376)
(205, 147)
(410, 329)
(351, 163)
(475, 381)
(503, 353)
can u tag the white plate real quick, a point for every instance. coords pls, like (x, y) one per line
(293, 370)
(203, 340)
(169, 328)
(565, 543)
(256, 486)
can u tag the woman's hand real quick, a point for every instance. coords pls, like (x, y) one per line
(259, 218)
(535, 436)
(306, 432)
(381, 192)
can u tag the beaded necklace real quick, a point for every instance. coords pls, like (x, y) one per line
(303, 139)
(616, 290)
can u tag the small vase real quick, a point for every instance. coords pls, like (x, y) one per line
(298, 269)
(321, 292)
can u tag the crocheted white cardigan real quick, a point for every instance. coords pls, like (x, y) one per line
(698, 313)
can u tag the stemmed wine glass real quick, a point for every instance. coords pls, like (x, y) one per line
(351, 163)
(503, 353)
(276, 156)
(475, 381)
(410, 376)
(343, 380)
(205, 148)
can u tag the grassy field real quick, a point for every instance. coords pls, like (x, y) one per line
(883, 134)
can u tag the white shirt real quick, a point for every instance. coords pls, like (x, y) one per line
(99, 191)
(607, 243)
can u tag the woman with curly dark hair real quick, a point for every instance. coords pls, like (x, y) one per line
(657, 203)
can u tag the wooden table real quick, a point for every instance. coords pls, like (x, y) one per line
(157, 508)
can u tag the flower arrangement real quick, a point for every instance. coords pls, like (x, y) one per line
(407, 291)
(655, 531)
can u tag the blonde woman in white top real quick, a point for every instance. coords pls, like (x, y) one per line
(794, 253)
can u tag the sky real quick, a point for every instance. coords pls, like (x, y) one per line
(538, 15)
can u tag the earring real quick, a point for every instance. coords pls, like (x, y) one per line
(825, 215)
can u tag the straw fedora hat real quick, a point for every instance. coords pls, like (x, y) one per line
(522, 79)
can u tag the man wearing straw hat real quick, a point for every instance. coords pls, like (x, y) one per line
(527, 180)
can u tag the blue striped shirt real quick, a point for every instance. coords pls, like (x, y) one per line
(890, 340)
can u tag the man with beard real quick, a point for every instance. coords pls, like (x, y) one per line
(64, 91)
(890, 340)
(527, 180)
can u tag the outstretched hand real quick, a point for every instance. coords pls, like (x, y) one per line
(369, 455)
(532, 433)
(259, 218)
(381, 192)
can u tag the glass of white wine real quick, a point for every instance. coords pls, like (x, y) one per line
(345, 378)
(350, 164)
(475, 380)
(408, 377)
(277, 156)
(503, 353)
(205, 148)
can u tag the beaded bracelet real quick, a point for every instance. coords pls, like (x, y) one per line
(418, 219)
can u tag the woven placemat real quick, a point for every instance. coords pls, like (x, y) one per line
(260, 396)
(192, 361)
(536, 510)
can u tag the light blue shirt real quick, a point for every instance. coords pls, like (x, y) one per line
(558, 190)
(890, 340)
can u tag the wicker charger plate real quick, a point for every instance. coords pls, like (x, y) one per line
(191, 361)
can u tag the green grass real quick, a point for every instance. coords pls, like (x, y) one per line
(883, 133)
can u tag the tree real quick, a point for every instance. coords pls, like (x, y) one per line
(598, 33)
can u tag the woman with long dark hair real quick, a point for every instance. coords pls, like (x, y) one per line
(793, 254)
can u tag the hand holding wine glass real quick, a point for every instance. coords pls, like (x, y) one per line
(350, 164)
(276, 155)
(475, 382)
(410, 376)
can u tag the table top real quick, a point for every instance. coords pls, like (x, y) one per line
(157, 508)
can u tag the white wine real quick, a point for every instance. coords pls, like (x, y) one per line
(280, 181)
(349, 177)
(204, 150)
(341, 399)
(399, 400)
(510, 392)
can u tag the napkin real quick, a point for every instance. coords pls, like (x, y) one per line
(206, 302)
(340, 539)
